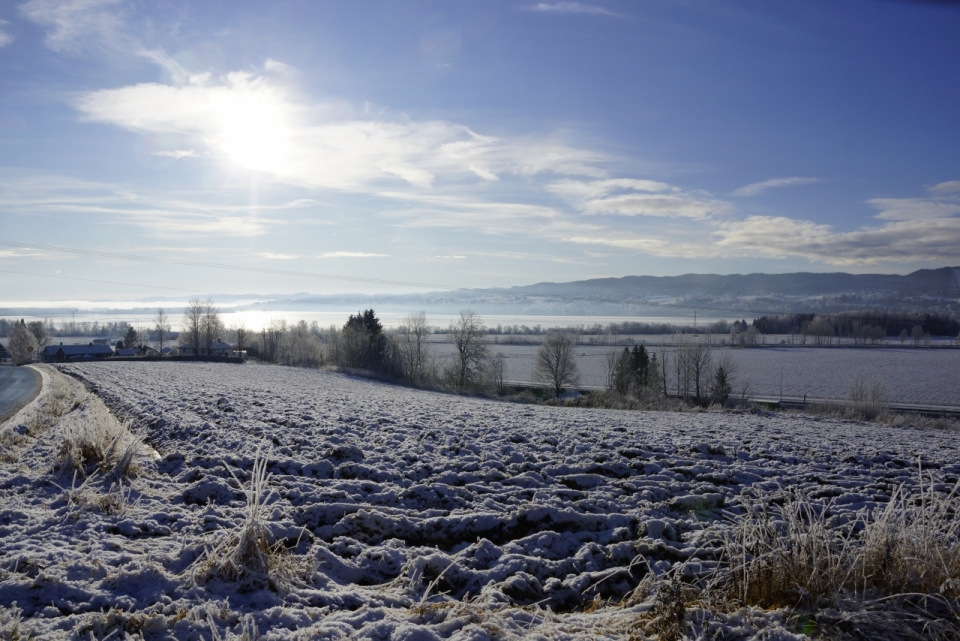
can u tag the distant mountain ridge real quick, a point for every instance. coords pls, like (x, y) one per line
(942, 281)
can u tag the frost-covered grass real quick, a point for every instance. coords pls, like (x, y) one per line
(93, 441)
(412, 514)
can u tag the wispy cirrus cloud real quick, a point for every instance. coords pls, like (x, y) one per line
(755, 189)
(632, 197)
(176, 154)
(571, 7)
(652, 246)
(273, 256)
(74, 24)
(348, 254)
(162, 214)
(5, 38)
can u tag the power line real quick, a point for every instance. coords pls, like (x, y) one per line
(105, 282)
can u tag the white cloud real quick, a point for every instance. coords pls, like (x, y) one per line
(920, 240)
(653, 205)
(586, 190)
(914, 208)
(454, 257)
(5, 38)
(272, 256)
(253, 122)
(948, 187)
(177, 153)
(73, 23)
(653, 246)
(632, 197)
(755, 189)
(570, 7)
(346, 254)
(25, 252)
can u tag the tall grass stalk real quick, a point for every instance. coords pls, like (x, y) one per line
(247, 557)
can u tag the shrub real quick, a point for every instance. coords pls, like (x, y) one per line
(870, 401)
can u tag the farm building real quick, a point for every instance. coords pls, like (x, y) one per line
(60, 353)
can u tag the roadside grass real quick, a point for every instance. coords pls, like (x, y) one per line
(59, 397)
(95, 442)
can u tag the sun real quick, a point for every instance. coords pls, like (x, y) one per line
(253, 131)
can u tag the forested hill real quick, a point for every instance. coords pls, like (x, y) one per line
(942, 281)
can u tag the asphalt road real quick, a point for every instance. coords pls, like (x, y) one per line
(18, 386)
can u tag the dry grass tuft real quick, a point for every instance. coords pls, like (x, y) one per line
(87, 496)
(11, 625)
(895, 568)
(247, 558)
(96, 443)
(669, 611)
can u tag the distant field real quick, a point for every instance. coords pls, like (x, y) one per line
(920, 376)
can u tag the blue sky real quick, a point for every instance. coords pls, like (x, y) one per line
(471, 143)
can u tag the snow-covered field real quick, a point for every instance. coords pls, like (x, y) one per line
(411, 514)
(925, 376)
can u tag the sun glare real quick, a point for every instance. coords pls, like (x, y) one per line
(254, 134)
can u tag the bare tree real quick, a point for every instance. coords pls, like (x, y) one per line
(693, 359)
(556, 363)
(243, 337)
(211, 325)
(193, 325)
(610, 368)
(303, 348)
(917, 334)
(498, 366)
(700, 357)
(663, 366)
(412, 345)
(161, 325)
(471, 345)
(272, 337)
(23, 344)
(39, 331)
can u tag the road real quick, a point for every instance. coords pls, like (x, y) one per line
(18, 386)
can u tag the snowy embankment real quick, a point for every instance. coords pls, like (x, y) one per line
(409, 514)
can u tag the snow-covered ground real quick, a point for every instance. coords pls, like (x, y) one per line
(519, 516)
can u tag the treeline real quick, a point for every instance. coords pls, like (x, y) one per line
(855, 324)
(363, 344)
(600, 329)
(92, 329)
